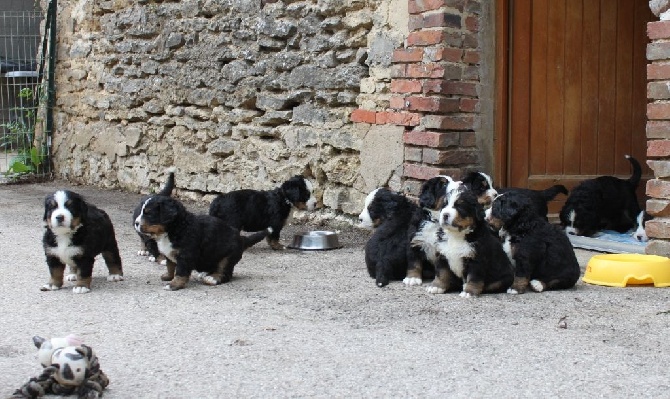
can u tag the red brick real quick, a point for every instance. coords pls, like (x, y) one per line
(464, 88)
(413, 154)
(658, 111)
(658, 189)
(442, 20)
(425, 70)
(658, 30)
(658, 90)
(449, 157)
(405, 86)
(449, 122)
(408, 55)
(471, 57)
(419, 6)
(443, 54)
(425, 38)
(363, 116)
(658, 129)
(415, 23)
(421, 172)
(658, 71)
(432, 104)
(397, 118)
(472, 24)
(469, 105)
(468, 139)
(430, 139)
(658, 148)
(656, 207)
(658, 51)
(658, 228)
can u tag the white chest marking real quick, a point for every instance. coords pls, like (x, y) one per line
(64, 250)
(455, 249)
(507, 245)
(427, 239)
(165, 247)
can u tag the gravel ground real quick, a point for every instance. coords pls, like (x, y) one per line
(313, 324)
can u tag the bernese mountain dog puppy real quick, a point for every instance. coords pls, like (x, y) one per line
(473, 258)
(541, 253)
(640, 233)
(481, 185)
(603, 203)
(538, 198)
(424, 230)
(255, 210)
(190, 242)
(76, 232)
(394, 218)
(148, 246)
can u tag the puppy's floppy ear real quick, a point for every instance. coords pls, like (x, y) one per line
(78, 204)
(47, 206)
(291, 188)
(169, 209)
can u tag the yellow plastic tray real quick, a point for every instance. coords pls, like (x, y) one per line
(621, 270)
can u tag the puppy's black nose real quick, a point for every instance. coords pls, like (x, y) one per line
(572, 233)
(60, 218)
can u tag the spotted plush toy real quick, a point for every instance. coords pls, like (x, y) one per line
(70, 367)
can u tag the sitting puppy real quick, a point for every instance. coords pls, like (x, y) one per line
(538, 198)
(481, 185)
(541, 253)
(473, 258)
(148, 244)
(603, 203)
(253, 210)
(393, 217)
(424, 230)
(76, 232)
(640, 233)
(192, 242)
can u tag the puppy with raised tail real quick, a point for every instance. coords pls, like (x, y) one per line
(76, 232)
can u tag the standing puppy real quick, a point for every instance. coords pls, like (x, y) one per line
(255, 210)
(148, 245)
(541, 253)
(76, 232)
(193, 242)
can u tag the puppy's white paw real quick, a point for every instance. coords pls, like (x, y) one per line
(142, 252)
(464, 294)
(166, 287)
(536, 285)
(435, 290)
(71, 277)
(152, 259)
(209, 280)
(164, 262)
(198, 276)
(115, 277)
(512, 291)
(412, 281)
(49, 287)
(81, 290)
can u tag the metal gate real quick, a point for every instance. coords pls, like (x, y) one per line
(26, 93)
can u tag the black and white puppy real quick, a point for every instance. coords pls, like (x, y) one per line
(603, 203)
(148, 245)
(393, 218)
(640, 233)
(474, 257)
(425, 231)
(541, 253)
(481, 185)
(538, 198)
(77, 232)
(190, 242)
(255, 210)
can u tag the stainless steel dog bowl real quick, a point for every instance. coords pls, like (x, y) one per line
(315, 240)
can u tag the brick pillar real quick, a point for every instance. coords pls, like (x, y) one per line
(658, 137)
(435, 90)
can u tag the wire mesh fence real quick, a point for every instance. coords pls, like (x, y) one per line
(24, 96)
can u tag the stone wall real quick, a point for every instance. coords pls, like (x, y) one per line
(234, 93)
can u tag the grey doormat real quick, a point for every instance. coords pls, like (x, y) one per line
(609, 241)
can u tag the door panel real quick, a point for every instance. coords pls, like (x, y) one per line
(577, 83)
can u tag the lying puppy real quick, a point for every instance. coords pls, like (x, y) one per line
(148, 244)
(541, 253)
(393, 217)
(473, 258)
(424, 230)
(76, 232)
(193, 242)
(538, 198)
(253, 210)
(603, 203)
(481, 185)
(640, 233)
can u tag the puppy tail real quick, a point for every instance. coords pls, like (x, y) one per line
(169, 184)
(637, 171)
(551, 192)
(252, 239)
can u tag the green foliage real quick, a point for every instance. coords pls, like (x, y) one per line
(20, 137)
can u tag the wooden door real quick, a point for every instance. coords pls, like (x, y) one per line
(575, 88)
